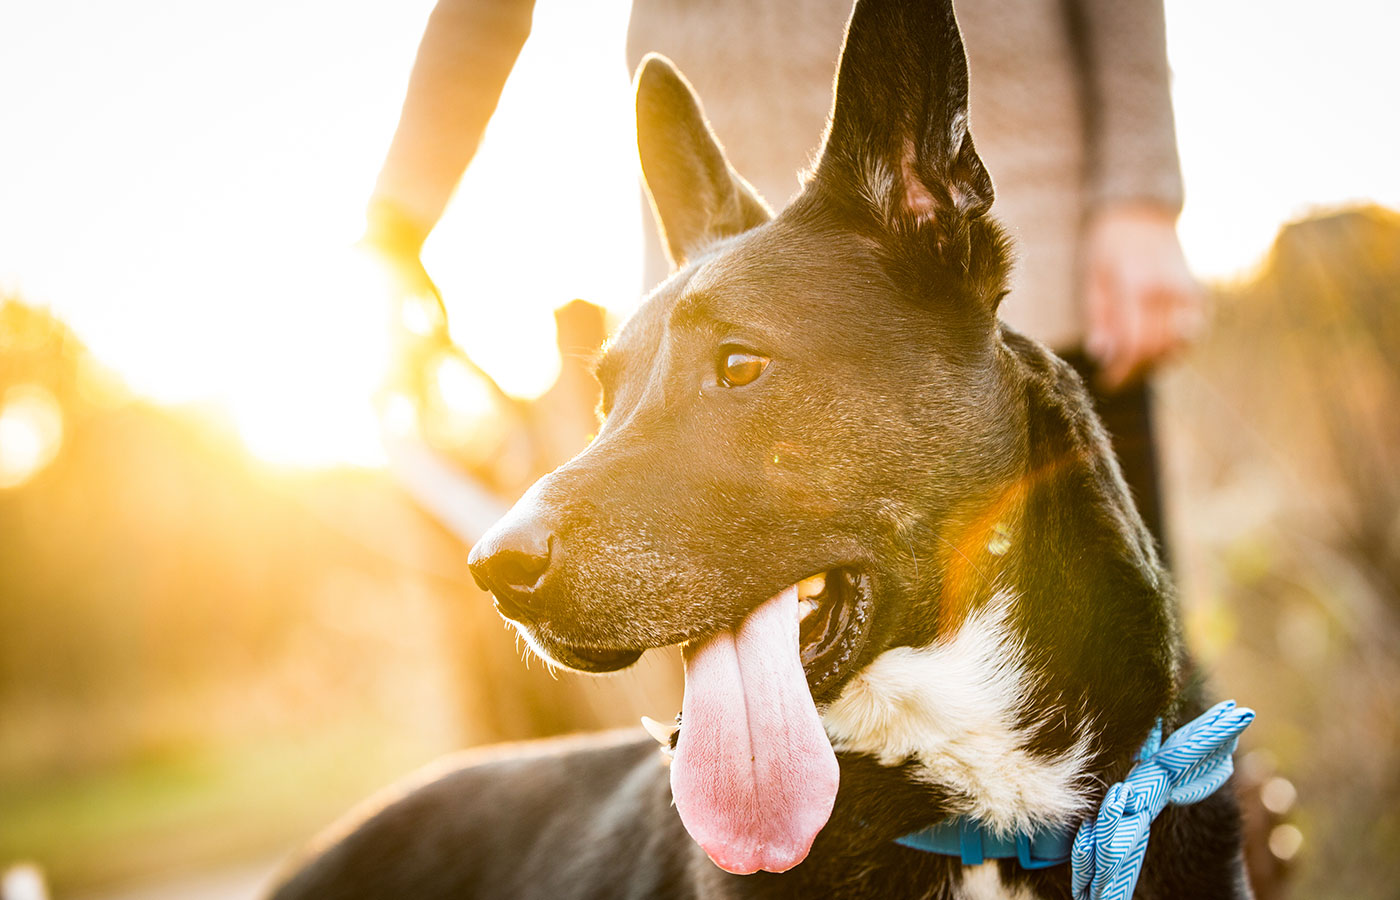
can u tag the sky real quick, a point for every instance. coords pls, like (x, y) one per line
(181, 182)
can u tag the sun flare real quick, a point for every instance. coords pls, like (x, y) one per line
(31, 432)
(203, 255)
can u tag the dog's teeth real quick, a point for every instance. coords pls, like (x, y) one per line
(805, 607)
(811, 587)
(661, 732)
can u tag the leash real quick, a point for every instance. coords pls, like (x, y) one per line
(1106, 851)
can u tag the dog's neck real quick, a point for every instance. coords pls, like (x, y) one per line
(1054, 647)
(1096, 601)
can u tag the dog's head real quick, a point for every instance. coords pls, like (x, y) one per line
(812, 394)
(819, 409)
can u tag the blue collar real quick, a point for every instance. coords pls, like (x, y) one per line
(1107, 850)
(975, 844)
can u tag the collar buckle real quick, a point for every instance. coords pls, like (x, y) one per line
(1057, 852)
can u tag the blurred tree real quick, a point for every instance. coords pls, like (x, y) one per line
(169, 606)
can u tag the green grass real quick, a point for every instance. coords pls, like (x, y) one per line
(192, 809)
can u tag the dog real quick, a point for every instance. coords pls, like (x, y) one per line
(888, 531)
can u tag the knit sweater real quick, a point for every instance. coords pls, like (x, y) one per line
(1070, 109)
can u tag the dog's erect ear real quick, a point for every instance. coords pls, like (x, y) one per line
(898, 136)
(696, 195)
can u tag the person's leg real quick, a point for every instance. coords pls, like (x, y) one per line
(1127, 415)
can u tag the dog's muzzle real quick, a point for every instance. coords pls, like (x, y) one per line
(521, 562)
(513, 562)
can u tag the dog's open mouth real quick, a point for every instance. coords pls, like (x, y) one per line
(753, 774)
(833, 612)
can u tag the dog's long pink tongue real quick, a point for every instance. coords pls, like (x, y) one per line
(754, 776)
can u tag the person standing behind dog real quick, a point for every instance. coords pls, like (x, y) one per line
(1070, 109)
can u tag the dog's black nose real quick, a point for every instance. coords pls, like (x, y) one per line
(512, 561)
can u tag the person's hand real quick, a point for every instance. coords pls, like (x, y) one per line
(414, 319)
(415, 302)
(1142, 303)
(391, 246)
(431, 395)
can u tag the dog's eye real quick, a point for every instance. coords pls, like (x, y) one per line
(739, 367)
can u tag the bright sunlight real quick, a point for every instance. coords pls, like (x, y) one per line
(169, 160)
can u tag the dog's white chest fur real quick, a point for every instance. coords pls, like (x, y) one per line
(954, 708)
(984, 883)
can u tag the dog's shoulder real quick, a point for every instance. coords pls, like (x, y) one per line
(491, 821)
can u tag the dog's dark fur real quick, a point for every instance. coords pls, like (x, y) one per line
(897, 430)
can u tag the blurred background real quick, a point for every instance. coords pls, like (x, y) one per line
(222, 621)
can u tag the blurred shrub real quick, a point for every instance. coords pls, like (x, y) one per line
(1283, 429)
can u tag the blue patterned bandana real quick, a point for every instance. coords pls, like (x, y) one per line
(1107, 852)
